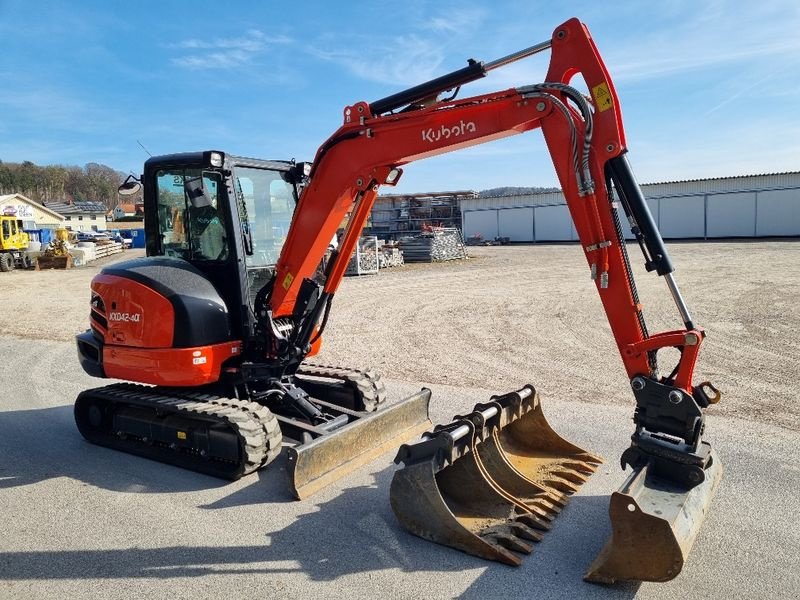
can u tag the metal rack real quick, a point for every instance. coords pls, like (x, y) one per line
(397, 215)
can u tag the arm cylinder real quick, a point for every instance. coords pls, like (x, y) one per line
(635, 205)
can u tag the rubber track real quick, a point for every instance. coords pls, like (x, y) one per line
(269, 423)
(367, 382)
(253, 423)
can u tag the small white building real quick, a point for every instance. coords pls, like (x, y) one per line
(127, 210)
(81, 215)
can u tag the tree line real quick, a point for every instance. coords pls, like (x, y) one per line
(59, 183)
(515, 191)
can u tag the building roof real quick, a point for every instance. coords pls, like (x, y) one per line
(546, 195)
(50, 211)
(78, 207)
(127, 208)
(722, 178)
(467, 193)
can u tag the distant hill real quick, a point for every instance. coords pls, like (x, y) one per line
(515, 191)
(61, 183)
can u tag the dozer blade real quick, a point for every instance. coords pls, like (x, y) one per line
(654, 524)
(318, 463)
(490, 482)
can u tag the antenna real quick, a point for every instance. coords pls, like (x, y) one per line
(143, 148)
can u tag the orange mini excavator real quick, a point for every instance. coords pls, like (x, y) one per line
(217, 323)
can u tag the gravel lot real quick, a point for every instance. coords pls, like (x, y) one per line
(81, 521)
(525, 314)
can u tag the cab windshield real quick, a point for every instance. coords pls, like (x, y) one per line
(266, 205)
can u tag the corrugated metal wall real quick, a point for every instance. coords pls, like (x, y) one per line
(753, 206)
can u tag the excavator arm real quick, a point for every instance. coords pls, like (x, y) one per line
(586, 141)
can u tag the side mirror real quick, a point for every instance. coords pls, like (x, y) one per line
(197, 193)
(130, 186)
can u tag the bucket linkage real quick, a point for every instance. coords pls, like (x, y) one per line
(490, 482)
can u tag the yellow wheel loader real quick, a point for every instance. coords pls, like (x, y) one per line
(13, 244)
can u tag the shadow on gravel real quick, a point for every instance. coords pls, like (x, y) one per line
(355, 532)
(41, 444)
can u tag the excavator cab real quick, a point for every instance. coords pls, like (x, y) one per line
(227, 216)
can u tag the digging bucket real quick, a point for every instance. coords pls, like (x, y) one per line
(318, 463)
(654, 524)
(490, 482)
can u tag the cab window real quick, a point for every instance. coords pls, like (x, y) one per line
(266, 205)
(190, 229)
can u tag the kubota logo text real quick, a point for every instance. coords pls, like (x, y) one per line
(124, 316)
(443, 133)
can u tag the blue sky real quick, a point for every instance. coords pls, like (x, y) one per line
(707, 88)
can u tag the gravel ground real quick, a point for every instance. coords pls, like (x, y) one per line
(525, 314)
(82, 521)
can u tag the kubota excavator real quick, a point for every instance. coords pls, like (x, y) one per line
(233, 297)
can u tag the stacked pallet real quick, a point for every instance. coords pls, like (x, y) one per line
(365, 259)
(434, 246)
(107, 248)
(390, 255)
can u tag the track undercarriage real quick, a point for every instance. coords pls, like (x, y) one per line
(230, 433)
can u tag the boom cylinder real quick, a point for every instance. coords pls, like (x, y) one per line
(473, 71)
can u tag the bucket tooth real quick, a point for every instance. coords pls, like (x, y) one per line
(544, 509)
(490, 480)
(561, 484)
(556, 499)
(586, 469)
(534, 522)
(513, 538)
(504, 542)
(654, 524)
(572, 476)
(523, 531)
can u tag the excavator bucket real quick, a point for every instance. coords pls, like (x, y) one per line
(321, 461)
(490, 482)
(654, 524)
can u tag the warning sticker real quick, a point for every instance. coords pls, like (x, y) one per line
(287, 281)
(602, 97)
(181, 435)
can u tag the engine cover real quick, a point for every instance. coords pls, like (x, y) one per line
(158, 302)
(157, 320)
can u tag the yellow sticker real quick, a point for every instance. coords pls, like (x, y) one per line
(287, 281)
(602, 97)
(181, 435)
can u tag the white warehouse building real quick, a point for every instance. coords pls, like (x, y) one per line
(727, 207)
